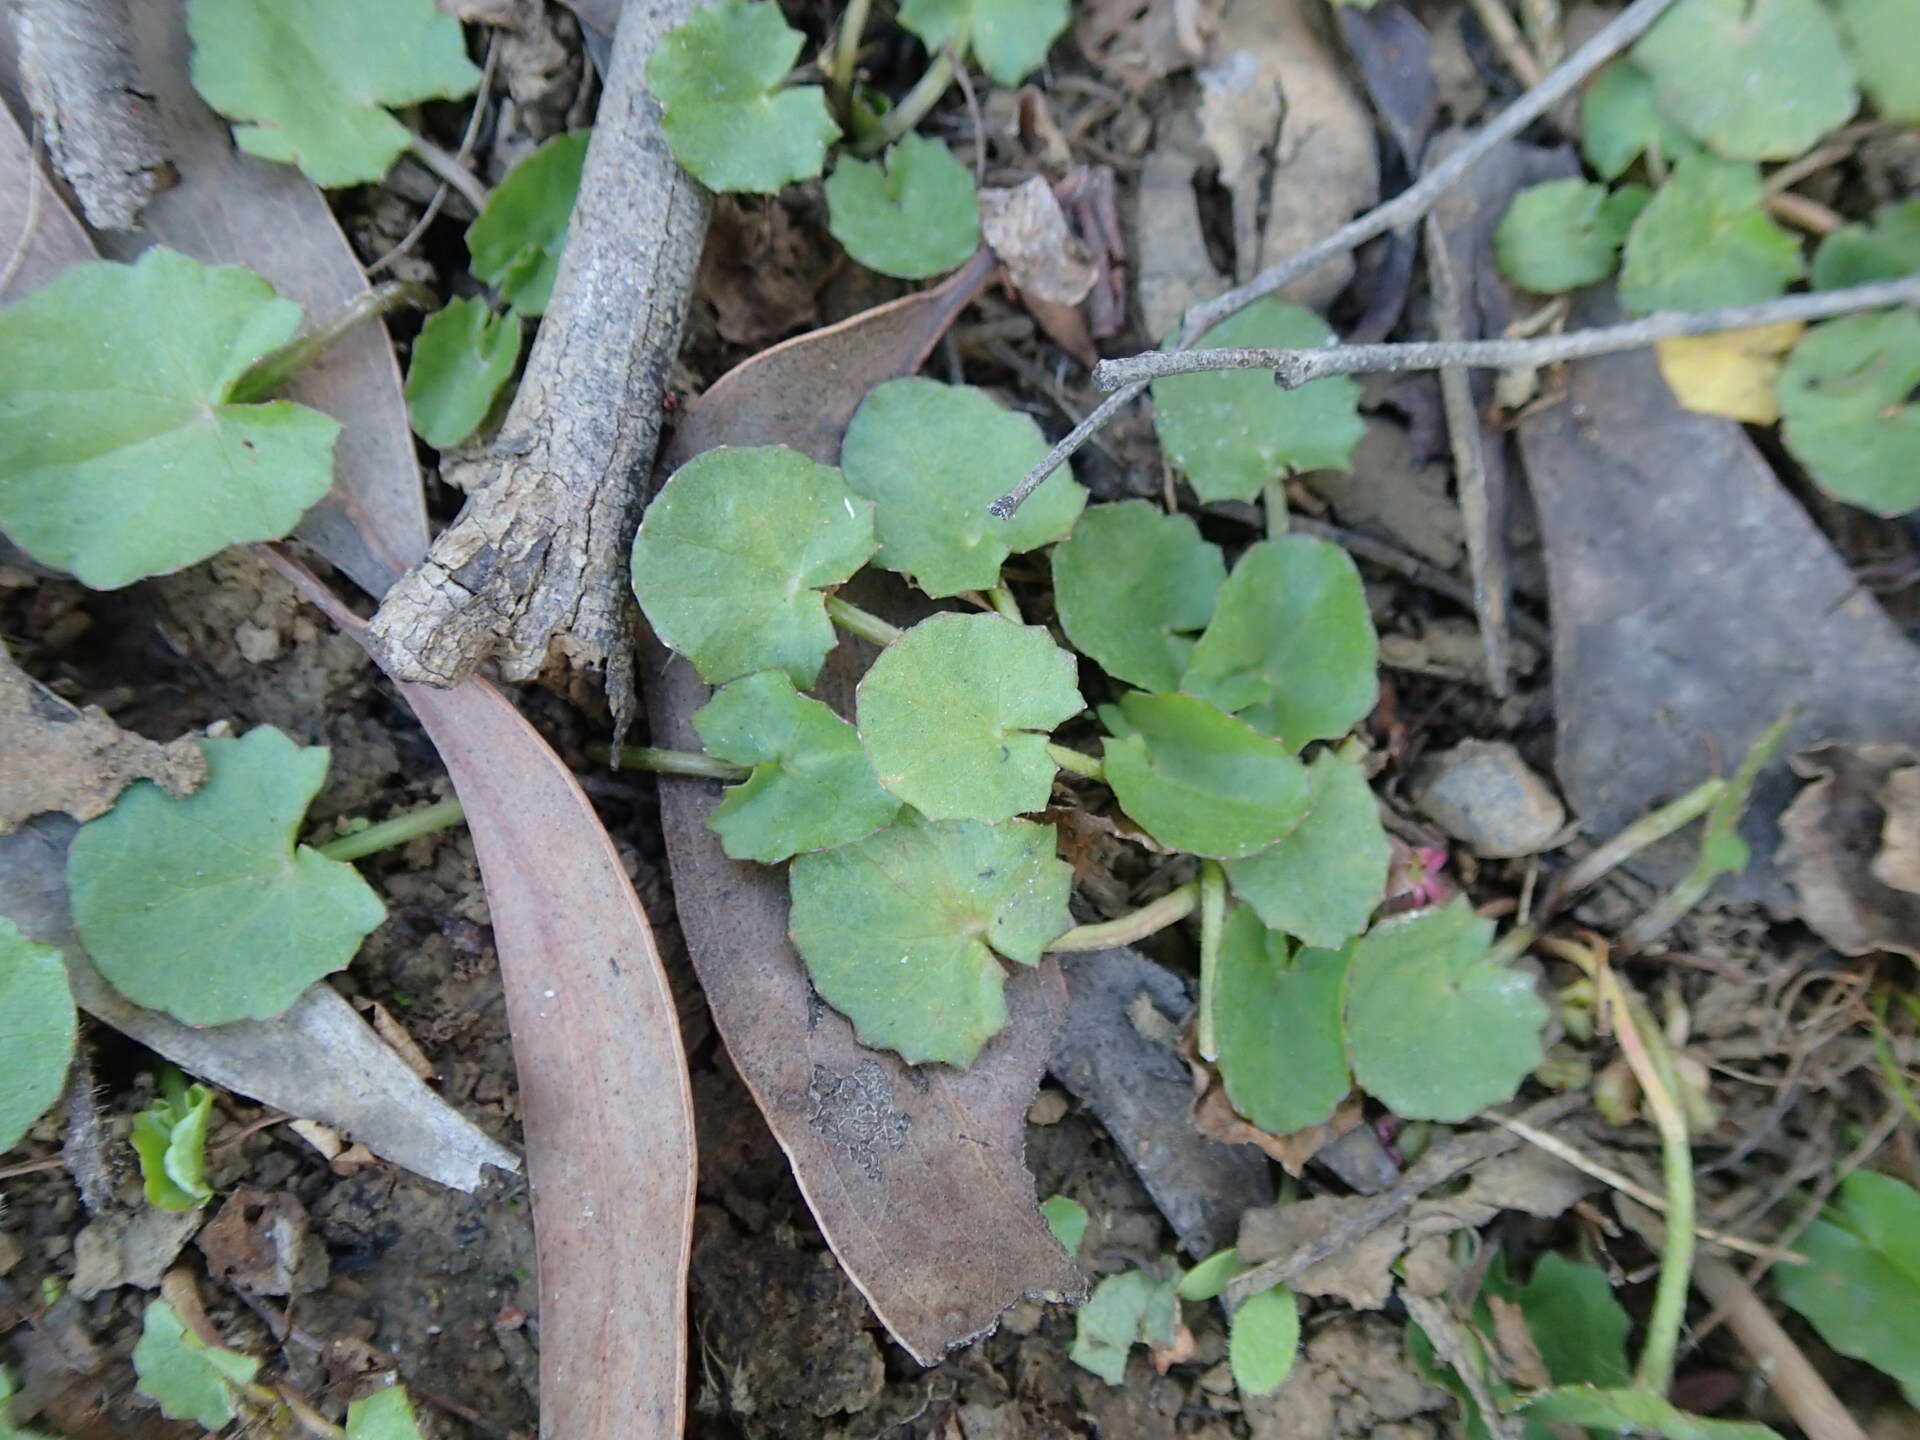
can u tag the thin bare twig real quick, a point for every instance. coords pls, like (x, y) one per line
(1403, 209)
(18, 256)
(467, 139)
(451, 171)
(1294, 368)
(1808, 1397)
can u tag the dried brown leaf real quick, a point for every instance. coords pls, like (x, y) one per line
(1836, 835)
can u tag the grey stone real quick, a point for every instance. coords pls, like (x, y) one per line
(1481, 792)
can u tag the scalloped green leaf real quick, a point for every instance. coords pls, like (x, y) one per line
(1199, 780)
(188, 1378)
(1010, 38)
(1846, 413)
(313, 80)
(123, 453)
(1322, 882)
(462, 357)
(731, 119)
(1705, 240)
(1134, 586)
(1886, 248)
(514, 245)
(1067, 1220)
(1262, 1337)
(1883, 37)
(955, 715)
(913, 213)
(1135, 1307)
(1632, 1412)
(932, 457)
(1291, 647)
(1861, 1286)
(1436, 1030)
(206, 907)
(1231, 431)
(1276, 1016)
(170, 1137)
(734, 552)
(812, 785)
(1754, 79)
(1621, 120)
(384, 1415)
(902, 931)
(38, 1031)
(1559, 236)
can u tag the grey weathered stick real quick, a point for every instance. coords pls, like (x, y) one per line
(1403, 209)
(1294, 368)
(535, 567)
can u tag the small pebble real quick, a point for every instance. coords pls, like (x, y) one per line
(1482, 793)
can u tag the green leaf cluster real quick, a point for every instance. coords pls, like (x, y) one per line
(170, 1138)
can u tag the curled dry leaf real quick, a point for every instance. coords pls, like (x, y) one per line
(1028, 231)
(1141, 41)
(1849, 846)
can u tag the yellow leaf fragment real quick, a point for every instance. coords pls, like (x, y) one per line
(1731, 374)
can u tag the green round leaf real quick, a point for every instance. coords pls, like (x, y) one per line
(1231, 431)
(37, 1031)
(1844, 403)
(1291, 647)
(895, 928)
(314, 78)
(913, 214)
(1067, 1219)
(734, 552)
(1324, 881)
(1704, 240)
(1621, 120)
(1010, 38)
(205, 907)
(932, 457)
(1276, 1016)
(955, 715)
(1558, 236)
(1133, 585)
(122, 454)
(384, 1415)
(1437, 1031)
(515, 243)
(812, 785)
(188, 1378)
(1262, 1337)
(1206, 1280)
(1884, 37)
(461, 358)
(1886, 249)
(720, 80)
(1755, 79)
(1201, 781)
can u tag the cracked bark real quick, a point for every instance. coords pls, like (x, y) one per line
(534, 569)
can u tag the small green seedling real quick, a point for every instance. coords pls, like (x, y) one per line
(312, 80)
(128, 447)
(1067, 1219)
(1142, 1307)
(38, 1031)
(170, 1137)
(912, 213)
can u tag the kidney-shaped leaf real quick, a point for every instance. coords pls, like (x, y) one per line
(462, 356)
(1133, 586)
(1009, 37)
(1705, 240)
(912, 214)
(1559, 236)
(1276, 1017)
(900, 931)
(37, 1031)
(732, 556)
(1324, 880)
(1884, 249)
(1198, 780)
(1291, 647)
(1755, 79)
(1860, 1287)
(515, 243)
(1231, 431)
(122, 454)
(955, 712)
(812, 785)
(313, 78)
(188, 1378)
(1844, 399)
(205, 907)
(719, 78)
(1621, 120)
(1437, 1032)
(932, 457)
